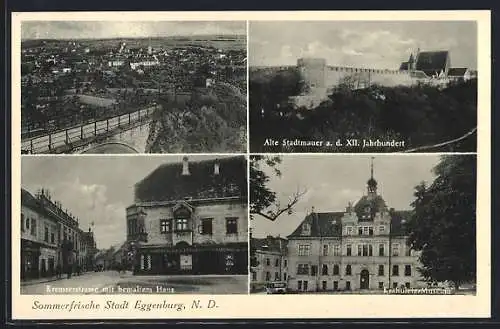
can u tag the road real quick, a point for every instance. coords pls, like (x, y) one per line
(111, 282)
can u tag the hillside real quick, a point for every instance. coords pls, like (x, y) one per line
(420, 115)
(213, 120)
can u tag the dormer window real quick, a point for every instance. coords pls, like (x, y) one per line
(306, 229)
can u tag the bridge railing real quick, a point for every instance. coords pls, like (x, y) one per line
(67, 137)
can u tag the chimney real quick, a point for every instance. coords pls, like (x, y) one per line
(216, 167)
(185, 166)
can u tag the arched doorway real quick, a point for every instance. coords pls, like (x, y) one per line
(364, 280)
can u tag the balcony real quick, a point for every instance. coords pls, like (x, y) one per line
(185, 236)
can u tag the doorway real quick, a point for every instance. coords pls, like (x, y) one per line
(364, 280)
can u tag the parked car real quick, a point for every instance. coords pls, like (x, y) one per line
(277, 287)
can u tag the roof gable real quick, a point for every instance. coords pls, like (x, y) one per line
(432, 62)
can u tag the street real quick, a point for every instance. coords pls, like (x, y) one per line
(111, 282)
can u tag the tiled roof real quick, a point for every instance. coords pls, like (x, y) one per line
(269, 243)
(432, 62)
(322, 225)
(329, 224)
(28, 200)
(376, 204)
(166, 183)
(457, 71)
(399, 220)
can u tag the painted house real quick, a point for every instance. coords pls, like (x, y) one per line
(191, 218)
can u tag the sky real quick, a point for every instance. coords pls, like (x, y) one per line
(331, 182)
(94, 188)
(377, 45)
(124, 29)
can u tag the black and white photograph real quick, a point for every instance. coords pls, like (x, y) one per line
(115, 87)
(363, 86)
(389, 224)
(134, 225)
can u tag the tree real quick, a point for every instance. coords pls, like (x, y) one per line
(263, 200)
(443, 224)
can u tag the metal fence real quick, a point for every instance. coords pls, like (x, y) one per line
(59, 140)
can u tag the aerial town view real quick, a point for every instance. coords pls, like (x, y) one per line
(363, 86)
(133, 87)
(110, 225)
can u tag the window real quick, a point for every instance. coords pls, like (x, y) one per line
(349, 230)
(348, 270)
(206, 226)
(268, 276)
(33, 227)
(46, 234)
(381, 270)
(360, 250)
(381, 285)
(349, 250)
(366, 230)
(381, 250)
(314, 270)
(360, 230)
(27, 223)
(324, 269)
(325, 250)
(181, 224)
(306, 229)
(304, 249)
(285, 263)
(284, 276)
(303, 269)
(370, 250)
(52, 238)
(348, 285)
(336, 250)
(231, 226)
(395, 270)
(268, 262)
(335, 285)
(407, 270)
(299, 285)
(365, 250)
(370, 231)
(323, 285)
(22, 222)
(277, 276)
(336, 269)
(165, 226)
(395, 249)
(407, 285)
(277, 262)
(381, 229)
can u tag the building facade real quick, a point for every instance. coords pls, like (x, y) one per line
(361, 248)
(191, 218)
(269, 261)
(51, 240)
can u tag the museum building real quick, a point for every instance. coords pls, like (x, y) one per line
(191, 217)
(361, 248)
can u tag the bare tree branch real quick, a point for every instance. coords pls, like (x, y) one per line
(278, 210)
